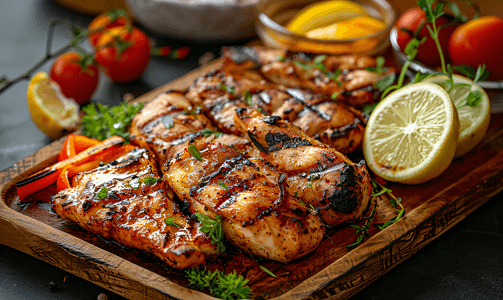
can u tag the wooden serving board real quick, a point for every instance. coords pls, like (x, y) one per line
(331, 271)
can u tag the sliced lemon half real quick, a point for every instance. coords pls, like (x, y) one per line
(324, 13)
(473, 120)
(411, 135)
(53, 113)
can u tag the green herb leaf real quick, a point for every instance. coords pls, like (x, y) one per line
(303, 65)
(362, 231)
(369, 108)
(194, 152)
(458, 16)
(102, 193)
(171, 222)
(280, 58)
(248, 97)
(220, 183)
(260, 109)
(268, 271)
(334, 95)
(207, 132)
(134, 184)
(229, 89)
(319, 59)
(385, 82)
(230, 286)
(115, 13)
(481, 73)
(474, 98)
(420, 77)
(108, 121)
(150, 180)
(380, 61)
(213, 227)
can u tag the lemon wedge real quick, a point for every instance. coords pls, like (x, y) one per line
(349, 29)
(53, 113)
(411, 135)
(473, 120)
(324, 13)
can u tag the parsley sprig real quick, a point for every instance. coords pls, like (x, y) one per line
(213, 228)
(171, 222)
(108, 121)
(318, 63)
(220, 285)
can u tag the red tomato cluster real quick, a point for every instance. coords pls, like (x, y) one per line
(411, 20)
(120, 50)
(476, 42)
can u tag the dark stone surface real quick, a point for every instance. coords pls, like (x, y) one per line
(464, 263)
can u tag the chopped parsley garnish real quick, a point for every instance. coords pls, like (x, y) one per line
(248, 97)
(102, 193)
(171, 222)
(229, 89)
(220, 285)
(207, 132)
(108, 121)
(151, 180)
(213, 228)
(220, 183)
(380, 61)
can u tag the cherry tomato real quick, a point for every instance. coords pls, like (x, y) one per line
(105, 21)
(75, 75)
(477, 42)
(427, 54)
(124, 54)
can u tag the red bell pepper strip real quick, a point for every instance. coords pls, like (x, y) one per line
(49, 175)
(106, 156)
(74, 144)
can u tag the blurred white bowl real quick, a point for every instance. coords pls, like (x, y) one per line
(200, 20)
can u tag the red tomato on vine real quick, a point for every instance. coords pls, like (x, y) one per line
(106, 21)
(76, 75)
(124, 53)
(411, 20)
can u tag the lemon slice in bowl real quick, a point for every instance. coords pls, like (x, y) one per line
(411, 135)
(53, 113)
(473, 119)
(324, 13)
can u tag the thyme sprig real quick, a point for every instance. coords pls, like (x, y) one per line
(318, 63)
(394, 201)
(361, 232)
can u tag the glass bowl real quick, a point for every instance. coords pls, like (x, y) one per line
(273, 15)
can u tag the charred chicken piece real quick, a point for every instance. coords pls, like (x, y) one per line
(169, 122)
(316, 173)
(344, 78)
(258, 215)
(332, 122)
(124, 200)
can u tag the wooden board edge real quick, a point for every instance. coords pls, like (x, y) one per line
(87, 261)
(473, 190)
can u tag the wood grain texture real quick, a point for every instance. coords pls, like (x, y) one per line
(331, 271)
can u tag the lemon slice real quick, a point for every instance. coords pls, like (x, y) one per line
(53, 113)
(411, 135)
(321, 14)
(349, 29)
(473, 120)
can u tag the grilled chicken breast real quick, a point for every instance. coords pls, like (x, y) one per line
(259, 216)
(321, 117)
(345, 78)
(169, 122)
(124, 200)
(316, 173)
